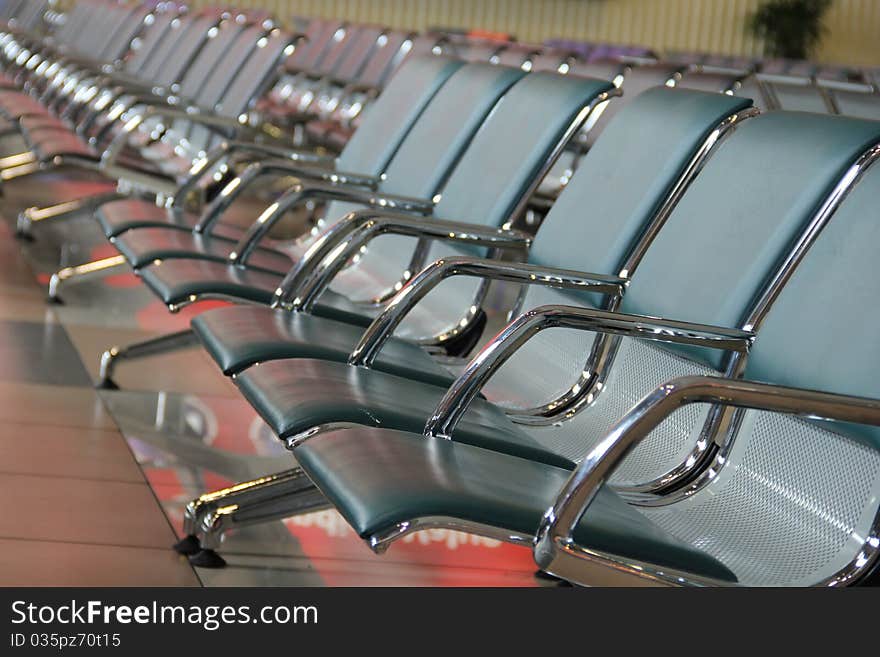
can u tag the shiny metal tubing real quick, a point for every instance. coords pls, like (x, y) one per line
(314, 273)
(152, 347)
(382, 328)
(304, 191)
(723, 422)
(457, 399)
(555, 549)
(252, 172)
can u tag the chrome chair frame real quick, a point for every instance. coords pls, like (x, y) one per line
(304, 284)
(716, 438)
(302, 192)
(556, 551)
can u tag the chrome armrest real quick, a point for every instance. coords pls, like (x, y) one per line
(193, 114)
(304, 191)
(350, 178)
(455, 402)
(229, 149)
(383, 326)
(111, 153)
(555, 549)
(307, 281)
(360, 88)
(235, 187)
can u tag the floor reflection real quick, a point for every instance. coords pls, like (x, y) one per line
(191, 432)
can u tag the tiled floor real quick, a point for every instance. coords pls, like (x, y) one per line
(94, 486)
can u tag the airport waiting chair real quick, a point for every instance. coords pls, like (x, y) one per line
(499, 198)
(476, 88)
(365, 159)
(549, 420)
(808, 487)
(388, 483)
(692, 125)
(368, 41)
(632, 80)
(320, 40)
(725, 82)
(336, 124)
(349, 51)
(794, 93)
(177, 232)
(157, 166)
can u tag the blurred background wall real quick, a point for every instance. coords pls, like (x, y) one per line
(716, 26)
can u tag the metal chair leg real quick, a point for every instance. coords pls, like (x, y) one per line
(28, 217)
(96, 267)
(21, 170)
(152, 347)
(17, 159)
(217, 523)
(256, 490)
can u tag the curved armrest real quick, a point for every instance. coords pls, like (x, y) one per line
(555, 549)
(383, 326)
(229, 149)
(459, 396)
(111, 153)
(307, 170)
(304, 191)
(307, 281)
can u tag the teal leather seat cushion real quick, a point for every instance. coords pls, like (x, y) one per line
(176, 281)
(240, 336)
(378, 478)
(294, 396)
(145, 245)
(119, 216)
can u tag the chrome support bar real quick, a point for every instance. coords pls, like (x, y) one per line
(215, 523)
(556, 550)
(152, 347)
(306, 282)
(256, 490)
(96, 267)
(32, 215)
(301, 192)
(382, 328)
(455, 402)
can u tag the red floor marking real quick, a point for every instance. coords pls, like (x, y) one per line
(325, 534)
(123, 280)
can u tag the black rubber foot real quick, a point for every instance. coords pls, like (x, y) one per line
(55, 301)
(26, 237)
(207, 559)
(188, 545)
(540, 574)
(107, 384)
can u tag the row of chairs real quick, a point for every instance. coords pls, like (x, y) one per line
(649, 413)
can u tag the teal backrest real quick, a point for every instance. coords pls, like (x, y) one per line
(445, 129)
(508, 152)
(624, 179)
(388, 120)
(440, 135)
(823, 331)
(742, 214)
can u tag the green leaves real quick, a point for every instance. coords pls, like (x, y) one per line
(790, 28)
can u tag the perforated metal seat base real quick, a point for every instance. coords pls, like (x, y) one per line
(793, 505)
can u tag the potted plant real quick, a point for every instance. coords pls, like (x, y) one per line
(789, 28)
